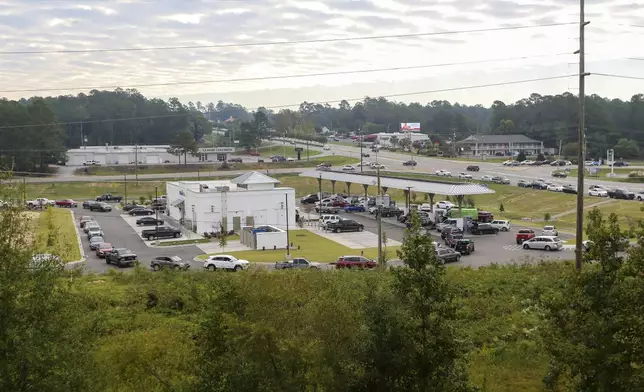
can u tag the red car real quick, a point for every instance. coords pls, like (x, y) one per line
(485, 217)
(524, 235)
(354, 262)
(69, 203)
(340, 203)
(103, 249)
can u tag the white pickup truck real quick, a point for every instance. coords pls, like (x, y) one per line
(40, 202)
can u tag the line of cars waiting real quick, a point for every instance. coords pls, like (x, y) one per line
(121, 257)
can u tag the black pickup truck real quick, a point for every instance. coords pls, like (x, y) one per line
(161, 232)
(121, 257)
(109, 197)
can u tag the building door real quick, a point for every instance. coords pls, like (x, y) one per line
(237, 223)
(250, 221)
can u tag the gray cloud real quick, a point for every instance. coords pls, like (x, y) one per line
(97, 24)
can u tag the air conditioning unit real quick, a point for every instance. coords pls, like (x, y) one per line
(222, 189)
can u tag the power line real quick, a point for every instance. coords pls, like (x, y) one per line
(319, 103)
(259, 78)
(619, 76)
(296, 42)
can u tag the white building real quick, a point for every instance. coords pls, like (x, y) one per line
(145, 155)
(251, 199)
(383, 138)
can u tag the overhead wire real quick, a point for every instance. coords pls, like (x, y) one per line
(513, 82)
(260, 78)
(618, 76)
(294, 42)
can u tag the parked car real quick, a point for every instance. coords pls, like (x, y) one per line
(174, 262)
(559, 174)
(473, 168)
(389, 211)
(452, 238)
(94, 232)
(89, 224)
(443, 173)
(103, 249)
(500, 180)
(618, 193)
(464, 176)
(544, 243)
(445, 204)
(87, 204)
(366, 155)
(310, 199)
(639, 196)
(95, 241)
(503, 225)
(523, 184)
(327, 209)
(122, 257)
(484, 216)
(68, 203)
(410, 163)
(464, 246)
(486, 178)
(109, 197)
(569, 189)
(149, 221)
(354, 262)
(354, 208)
(161, 232)
(447, 255)
(235, 160)
(524, 235)
(555, 188)
(599, 192)
(620, 164)
(131, 206)
(140, 211)
(297, 263)
(344, 225)
(101, 207)
(83, 220)
(484, 228)
(40, 202)
(225, 262)
(549, 231)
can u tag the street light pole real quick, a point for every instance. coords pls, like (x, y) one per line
(361, 148)
(156, 212)
(379, 205)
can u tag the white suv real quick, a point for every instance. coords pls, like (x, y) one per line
(443, 173)
(225, 262)
(543, 242)
(502, 225)
(549, 231)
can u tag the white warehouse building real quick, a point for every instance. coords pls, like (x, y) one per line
(145, 155)
(252, 199)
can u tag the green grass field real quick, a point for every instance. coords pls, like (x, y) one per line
(311, 246)
(286, 151)
(214, 168)
(627, 213)
(56, 234)
(602, 173)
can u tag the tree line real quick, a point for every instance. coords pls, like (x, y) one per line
(406, 329)
(127, 117)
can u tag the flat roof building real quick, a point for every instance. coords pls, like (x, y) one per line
(144, 154)
(248, 200)
(501, 145)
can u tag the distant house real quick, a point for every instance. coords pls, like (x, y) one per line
(500, 145)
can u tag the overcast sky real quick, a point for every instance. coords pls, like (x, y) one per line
(615, 34)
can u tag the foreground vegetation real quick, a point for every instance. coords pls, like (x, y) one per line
(422, 328)
(56, 233)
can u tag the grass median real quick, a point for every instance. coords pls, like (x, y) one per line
(210, 168)
(56, 233)
(311, 247)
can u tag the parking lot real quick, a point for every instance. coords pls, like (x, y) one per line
(489, 249)
(122, 235)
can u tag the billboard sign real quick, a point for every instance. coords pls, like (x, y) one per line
(409, 127)
(216, 150)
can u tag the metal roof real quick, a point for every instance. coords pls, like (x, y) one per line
(497, 139)
(417, 185)
(254, 178)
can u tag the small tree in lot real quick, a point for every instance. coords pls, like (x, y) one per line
(223, 237)
(521, 157)
(501, 208)
(547, 217)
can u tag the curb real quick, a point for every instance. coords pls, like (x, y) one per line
(80, 243)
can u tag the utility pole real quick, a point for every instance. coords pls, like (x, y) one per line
(360, 129)
(454, 143)
(125, 186)
(288, 241)
(156, 213)
(380, 260)
(581, 143)
(24, 191)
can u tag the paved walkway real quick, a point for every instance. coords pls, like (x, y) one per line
(354, 240)
(586, 207)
